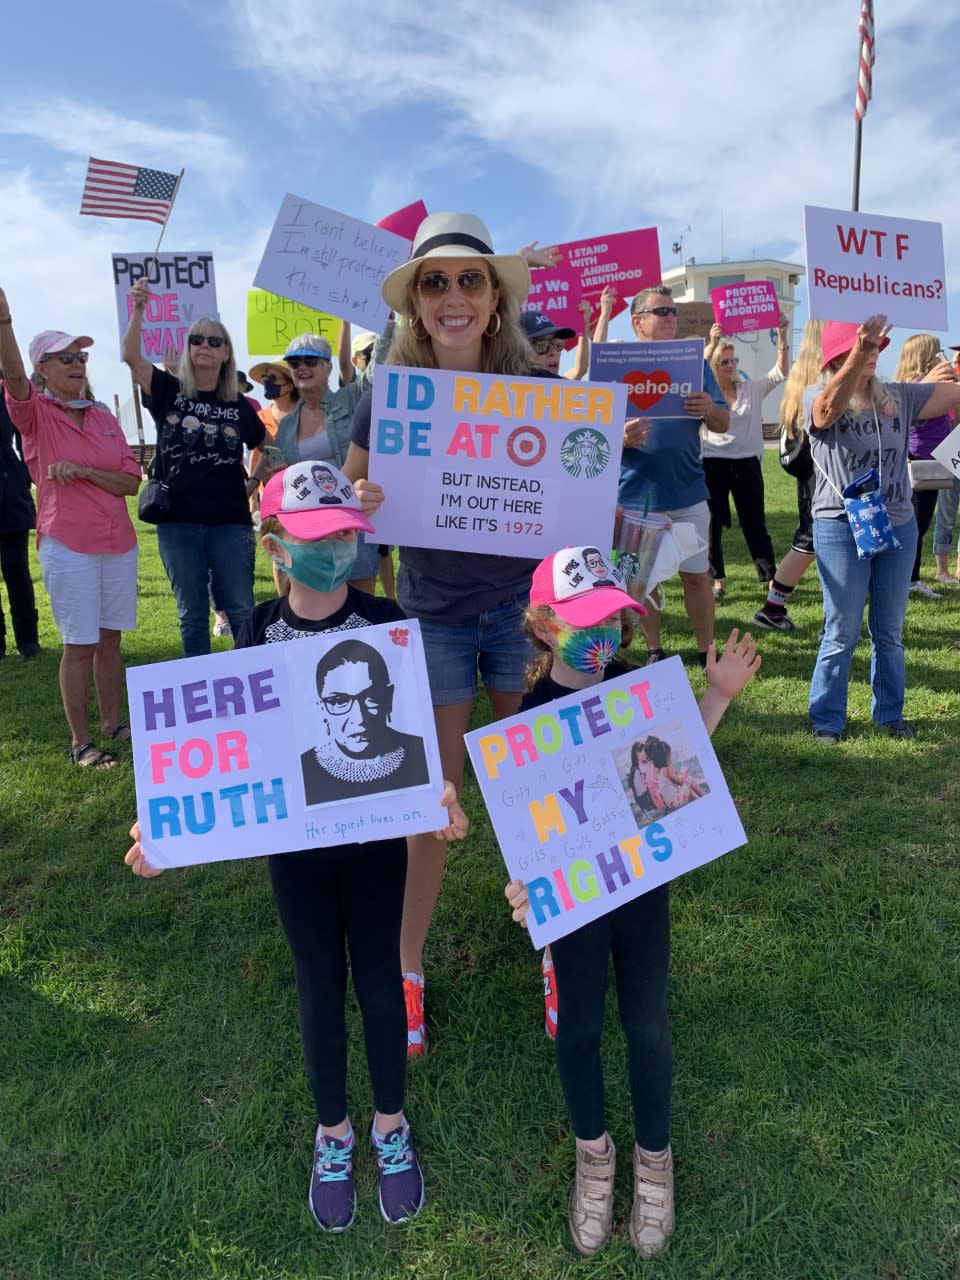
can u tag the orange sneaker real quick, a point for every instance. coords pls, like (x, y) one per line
(416, 1025)
(550, 1007)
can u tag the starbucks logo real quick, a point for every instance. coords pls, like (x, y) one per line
(585, 453)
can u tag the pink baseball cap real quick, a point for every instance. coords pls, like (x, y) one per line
(312, 500)
(51, 341)
(839, 337)
(581, 586)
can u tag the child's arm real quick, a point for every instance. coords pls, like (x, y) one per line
(458, 824)
(516, 894)
(727, 675)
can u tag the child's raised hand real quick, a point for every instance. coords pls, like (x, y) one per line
(516, 894)
(135, 858)
(458, 824)
(735, 667)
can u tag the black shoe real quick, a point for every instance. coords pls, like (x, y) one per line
(771, 621)
(28, 651)
(654, 655)
(900, 729)
(826, 735)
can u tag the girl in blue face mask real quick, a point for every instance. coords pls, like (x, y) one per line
(577, 602)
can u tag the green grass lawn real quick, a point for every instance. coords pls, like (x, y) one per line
(154, 1116)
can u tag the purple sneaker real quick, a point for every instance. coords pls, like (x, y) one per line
(333, 1199)
(399, 1174)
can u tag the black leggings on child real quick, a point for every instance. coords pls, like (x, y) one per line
(637, 935)
(330, 900)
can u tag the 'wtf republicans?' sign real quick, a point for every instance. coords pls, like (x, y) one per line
(507, 466)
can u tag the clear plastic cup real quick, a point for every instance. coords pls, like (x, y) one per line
(640, 537)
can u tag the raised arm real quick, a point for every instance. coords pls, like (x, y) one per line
(581, 356)
(716, 333)
(140, 366)
(946, 391)
(347, 371)
(834, 399)
(11, 361)
(783, 344)
(608, 300)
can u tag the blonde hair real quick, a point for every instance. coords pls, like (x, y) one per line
(917, 357)
(507, 351)
(723, 345)
(226, 388)
(804, 372)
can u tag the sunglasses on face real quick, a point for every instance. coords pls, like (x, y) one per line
(729, 360)
(547, 346)
(198, 339)
(435, 283)
(306, 362)
(658, 311)
(69, 357)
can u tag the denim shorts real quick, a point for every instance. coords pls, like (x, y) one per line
(493, 642)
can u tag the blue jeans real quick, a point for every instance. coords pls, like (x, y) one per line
(198, 555)
(494, 641)
(846, 583)
(947, 501)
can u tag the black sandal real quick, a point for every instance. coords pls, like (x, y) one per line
(120, 734)
(89, 757)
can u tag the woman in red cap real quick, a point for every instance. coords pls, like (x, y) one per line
(856, 423)
(84, 471)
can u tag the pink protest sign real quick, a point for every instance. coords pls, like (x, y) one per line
(746, 307)
(627, 261)
(404, 222)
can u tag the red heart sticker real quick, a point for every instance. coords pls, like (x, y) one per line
(400, 636)
(646, 387)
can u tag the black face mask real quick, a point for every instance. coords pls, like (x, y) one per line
(271, 389)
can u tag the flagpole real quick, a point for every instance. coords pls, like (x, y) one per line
(856, 165)
(165, 221)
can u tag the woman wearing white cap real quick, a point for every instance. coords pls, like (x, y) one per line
(84, 470)
(460, 303)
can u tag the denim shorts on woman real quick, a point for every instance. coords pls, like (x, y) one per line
(493, 642)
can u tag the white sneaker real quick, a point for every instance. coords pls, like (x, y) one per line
(919, 588)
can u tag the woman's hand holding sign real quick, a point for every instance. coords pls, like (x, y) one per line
(635, 432)
(135, 858)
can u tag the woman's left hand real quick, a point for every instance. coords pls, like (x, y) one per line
(942, 371)
(370, 495)
(64, 472)
(458, 824)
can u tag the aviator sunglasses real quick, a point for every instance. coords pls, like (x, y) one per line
(198, 339)
(658, 311)
(435, 283)
(69, 357)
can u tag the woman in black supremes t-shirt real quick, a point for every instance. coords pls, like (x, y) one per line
(203, 424)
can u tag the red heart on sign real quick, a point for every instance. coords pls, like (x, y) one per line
(400, 636)
(647, 386)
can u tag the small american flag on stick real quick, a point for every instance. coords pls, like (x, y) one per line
(114, 190)
(868, 56)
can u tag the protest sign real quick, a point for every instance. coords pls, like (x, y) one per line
(318, 741)
(862, 264)
(694, 319)
(947, 453)
(272, 322)
(183, 290)
(746, 307)
(658, 376)
(404, 222)
(508, 466)
(330, 261)
(603, 795)
(627, 261)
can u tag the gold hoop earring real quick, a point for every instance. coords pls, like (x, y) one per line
(492, 333)
(425, 337)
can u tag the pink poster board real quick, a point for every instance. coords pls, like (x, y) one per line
(404, 222)
(746, 307)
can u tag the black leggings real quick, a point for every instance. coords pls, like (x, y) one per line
(741, 479)
(924, 505)
(15, 568)
(330, 900)
(638, 936)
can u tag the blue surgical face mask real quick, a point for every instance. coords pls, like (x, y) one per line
(324, 565)
(271, 389)
(587, 649)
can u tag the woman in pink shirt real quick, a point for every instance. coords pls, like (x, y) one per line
(84, 470)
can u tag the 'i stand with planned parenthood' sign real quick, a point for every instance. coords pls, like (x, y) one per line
(507, 466)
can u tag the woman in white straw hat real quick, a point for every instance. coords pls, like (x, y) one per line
(459, 301)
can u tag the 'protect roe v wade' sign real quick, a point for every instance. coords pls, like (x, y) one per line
(508, 466)
(603, 795)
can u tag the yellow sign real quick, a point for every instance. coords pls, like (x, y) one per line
(272, 322)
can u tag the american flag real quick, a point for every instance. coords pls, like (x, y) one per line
(124, 191)
(868, 56)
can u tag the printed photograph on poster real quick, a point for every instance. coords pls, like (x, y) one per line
(305, 743)
(273, 322)
(507, 466)
(183, 290)
(351, 717)
(865, 264)
(603, 795)
(660, 774)
(658, 376)
(330, 261)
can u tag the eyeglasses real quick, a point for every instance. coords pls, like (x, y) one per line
(308, 362)
(658, 311)
(339, 704)
(435, 283)
(729, 360)
(69, 357)
(198, 339)
(546, 346)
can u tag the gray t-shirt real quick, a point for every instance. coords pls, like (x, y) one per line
(851, 446)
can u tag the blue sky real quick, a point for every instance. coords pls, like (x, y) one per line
(550, 121)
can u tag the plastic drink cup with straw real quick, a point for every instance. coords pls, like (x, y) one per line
(640, 536)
